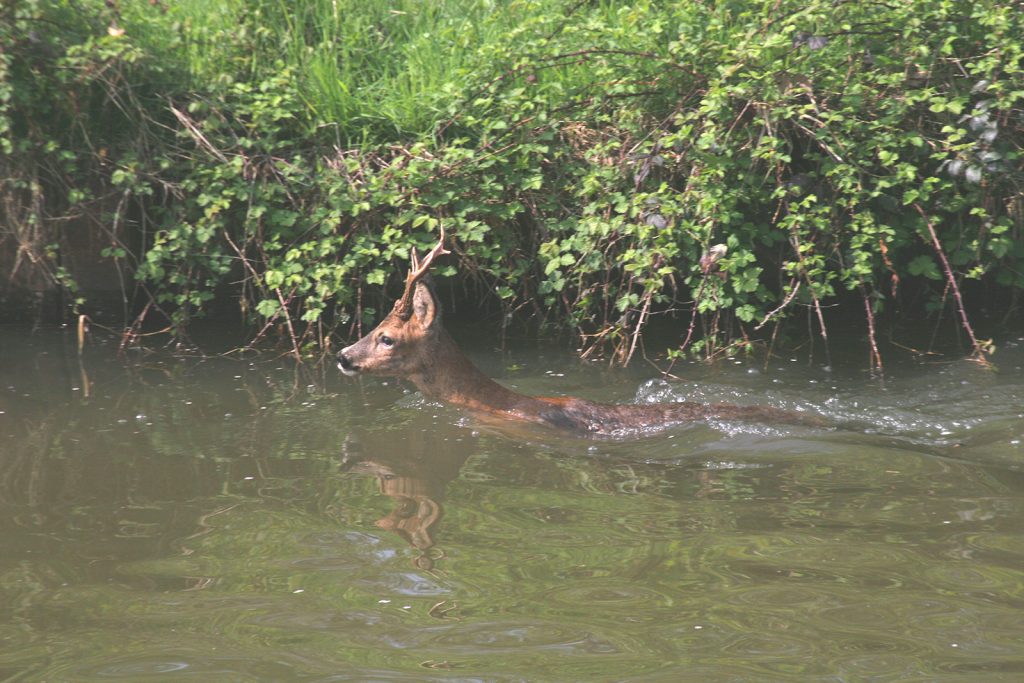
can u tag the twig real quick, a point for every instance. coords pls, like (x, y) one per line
(83, 329)
(288, 321)
(874, 356)
(644, 312)
(795, 284)
(979, 351)
(821, 324)
(794, 241)
(708, 264)
(197, 134)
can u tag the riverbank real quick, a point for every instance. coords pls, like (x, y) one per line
(281, 160)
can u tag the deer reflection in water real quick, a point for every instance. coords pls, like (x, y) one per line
(415, 478)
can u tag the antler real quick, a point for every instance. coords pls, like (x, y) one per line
(418, 268)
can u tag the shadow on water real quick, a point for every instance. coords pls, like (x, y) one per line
(243, 520)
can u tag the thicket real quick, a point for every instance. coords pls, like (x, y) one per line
(583, 156)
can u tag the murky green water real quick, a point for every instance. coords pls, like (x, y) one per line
(171, 519)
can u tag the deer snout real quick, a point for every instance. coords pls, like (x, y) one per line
(345, 363)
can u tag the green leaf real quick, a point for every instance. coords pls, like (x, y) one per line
(268, 307)
(274, 278)
(746, 313)
(924, 265)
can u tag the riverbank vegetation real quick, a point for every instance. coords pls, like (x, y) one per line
(858, 160)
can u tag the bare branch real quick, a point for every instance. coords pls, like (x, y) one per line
(979, 350)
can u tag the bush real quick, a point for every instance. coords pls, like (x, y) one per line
(583, 155)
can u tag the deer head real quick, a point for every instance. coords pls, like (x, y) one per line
(400, 344)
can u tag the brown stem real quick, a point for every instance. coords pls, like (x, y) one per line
(131, 332)
(875, 358)
(639, 326)
(707, 265)
(795, 243)
(979, 351)
(288, 321)
(821, 323)
(794, 287)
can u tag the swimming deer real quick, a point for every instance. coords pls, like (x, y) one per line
(411, 343)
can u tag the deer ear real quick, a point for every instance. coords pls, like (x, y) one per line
(425, 307)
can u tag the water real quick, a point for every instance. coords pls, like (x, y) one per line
(240, 519)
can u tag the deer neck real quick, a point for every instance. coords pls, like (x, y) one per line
(449, 376)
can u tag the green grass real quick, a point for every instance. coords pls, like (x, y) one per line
(374, 71)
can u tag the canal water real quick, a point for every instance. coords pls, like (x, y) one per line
(240, 518)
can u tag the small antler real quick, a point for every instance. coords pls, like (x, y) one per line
(418, 268)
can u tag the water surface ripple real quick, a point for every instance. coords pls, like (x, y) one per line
(167, 518)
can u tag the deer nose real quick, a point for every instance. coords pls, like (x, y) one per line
(345, 364)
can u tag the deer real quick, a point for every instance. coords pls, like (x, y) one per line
(411, 343)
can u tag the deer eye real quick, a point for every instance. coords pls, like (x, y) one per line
(386, 340)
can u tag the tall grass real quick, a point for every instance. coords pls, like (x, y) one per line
(381, 69)
(372, 70)
(378, 71)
